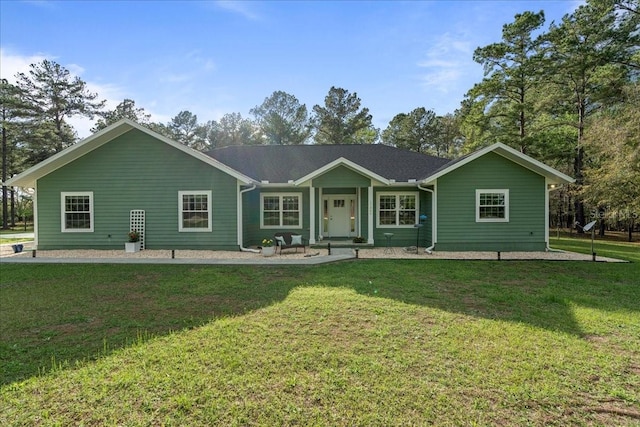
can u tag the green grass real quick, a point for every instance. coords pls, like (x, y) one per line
(607, 248)
(18, 229)
(15, 230)
(7, 241)
(369, 342)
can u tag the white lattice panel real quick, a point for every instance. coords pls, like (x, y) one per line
(136, 220)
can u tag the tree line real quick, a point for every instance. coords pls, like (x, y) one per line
(567, 95)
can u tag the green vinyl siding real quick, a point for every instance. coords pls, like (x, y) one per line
(253, 231)
(341, 177)
(137, 171)
(404, 236)
(457, 226)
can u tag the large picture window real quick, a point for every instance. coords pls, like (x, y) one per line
(397, 209)
(194, 210)
(281, 210)
(77, 211)
(492, 205)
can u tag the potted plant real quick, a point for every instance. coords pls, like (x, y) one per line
(267, 247)
(133, 245)
(359, 239)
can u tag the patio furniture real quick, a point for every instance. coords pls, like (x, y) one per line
(288, 240)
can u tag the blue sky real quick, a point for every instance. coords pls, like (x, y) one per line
(218, 57)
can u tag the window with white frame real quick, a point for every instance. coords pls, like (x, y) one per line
(194, 210)
(77, 211)
(492, 205)
(397, 209)
(281, 210)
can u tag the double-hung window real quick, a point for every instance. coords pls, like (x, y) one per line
(77, 211)
(194, 210)
(281, 210)
(492, 205)
(397, 209)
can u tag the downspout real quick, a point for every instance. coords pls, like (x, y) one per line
(429, 250)
(548, 189)
(240, 233)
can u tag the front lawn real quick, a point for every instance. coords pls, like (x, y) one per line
(368, 342)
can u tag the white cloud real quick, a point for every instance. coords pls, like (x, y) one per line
(186, 68)
(442, 79)
(437, 63)
(75, 69)
(41, 3)
(13, 64)
(445, 63)
(244, 8)
(206, 64)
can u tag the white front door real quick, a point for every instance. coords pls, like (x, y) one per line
(340, 216)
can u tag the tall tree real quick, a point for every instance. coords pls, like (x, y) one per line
(449, 139)
(341, 120)
(125, 110)
(475, 126)
(584, 55)
(511, 73)
(282, 119)
(185, 129)
(55, 95)
(612, 175)
(367, 135)
(12, 109)
(232, 129)
(417, 131)
(40, 140)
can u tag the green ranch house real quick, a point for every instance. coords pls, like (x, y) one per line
(127, 177)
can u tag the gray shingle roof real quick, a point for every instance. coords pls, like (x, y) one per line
(280, 163)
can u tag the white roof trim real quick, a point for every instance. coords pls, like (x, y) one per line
(554, 176)
(74, 152)
(341, 162)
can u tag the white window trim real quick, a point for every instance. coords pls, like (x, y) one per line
(180, 211)
(506, 205)
(280, 196)
(397, 195)
(63, 218)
